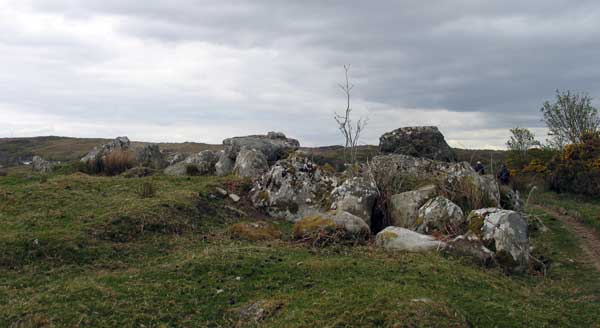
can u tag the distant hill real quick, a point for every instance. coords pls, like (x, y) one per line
(14, 151)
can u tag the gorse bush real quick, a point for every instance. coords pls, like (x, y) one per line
(577, 169)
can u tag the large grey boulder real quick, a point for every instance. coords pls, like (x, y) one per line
(39, 164)
(404, 207)
(250, 163)
(418, 141)
(293, 188)
(274, 145)
(442, 215)
(330, 222)
(503, 231)
(224, 165)
(202, 163)
(356, 195)
(150, 156)
(456, 179)
(98, 153)
(401, 239)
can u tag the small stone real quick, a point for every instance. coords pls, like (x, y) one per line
(219, 291)
(234, 197)
(221, 191)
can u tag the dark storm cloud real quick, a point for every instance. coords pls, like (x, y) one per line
(491, 64)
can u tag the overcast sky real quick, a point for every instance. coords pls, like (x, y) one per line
(189, 70)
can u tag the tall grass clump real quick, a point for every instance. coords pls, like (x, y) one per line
(146, 190)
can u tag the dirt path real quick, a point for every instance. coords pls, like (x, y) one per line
(590, 241)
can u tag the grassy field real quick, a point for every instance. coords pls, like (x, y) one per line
(87, 251)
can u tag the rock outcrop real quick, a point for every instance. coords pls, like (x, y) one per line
(120, 143)
(503, 231)
(274, 145)
(457, 180)
(293, 188)
(401, 239)
(224, 165)
(150, 156)
(442, 215)
(202, 163)
(404, 207)
(250, 163)
(418, 141)
(39, 164)
(356, 195)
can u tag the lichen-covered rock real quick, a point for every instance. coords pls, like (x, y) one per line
(274, 145)
(119, 143)
(224, 165)
(404, 207)
(401, 239)
(457, 179)
(202, 163)
(174, 158)
(250, 163)
(356, 195)
(150, 156)
(440, 214)
(293, 188)
(504, 232)
(470, 247)
(329, 223)
(39, 164)
(418, 141)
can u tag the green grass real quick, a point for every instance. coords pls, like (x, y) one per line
(585, 209)
(89, 251)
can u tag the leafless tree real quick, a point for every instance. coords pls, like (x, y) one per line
(350, 131)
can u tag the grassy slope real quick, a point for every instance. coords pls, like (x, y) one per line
(585, 209)
(81, 250)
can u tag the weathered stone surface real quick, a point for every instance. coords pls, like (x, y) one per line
(404, 207)
(39, 164)
(150, 156)
(120, 143)
(175, 158)
(473, 248)
(440, 214)
(329, 222)
(357, 195)
(293, 188)
(250, 163)
(224, 165)
(503, 231)
(274, 145)
(418, 141)
(401, 239)
(459, 179)
(203, 163)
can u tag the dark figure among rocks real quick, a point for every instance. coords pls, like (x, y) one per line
(479, 168)
(503, 175)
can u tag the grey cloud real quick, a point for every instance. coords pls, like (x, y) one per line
(502, 59)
